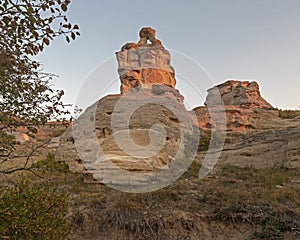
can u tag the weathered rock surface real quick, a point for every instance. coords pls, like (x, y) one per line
(135, 142)
(121, 132)
(145, 74)
(242, 119)
(145, 64)
(271, 148)
(243, 94)
(244, 106)
(95, 132)
(256, 135)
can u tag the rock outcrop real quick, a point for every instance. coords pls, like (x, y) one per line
(245, 108)
(262, 149)
(278, 147)
(256, 135)
(100, 141)
(150, 111)
(242, 94)
(145, 63)
(93, 131)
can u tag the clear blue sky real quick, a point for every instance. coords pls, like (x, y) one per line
(232, 39)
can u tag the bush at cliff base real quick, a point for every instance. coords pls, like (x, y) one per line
(33, 211)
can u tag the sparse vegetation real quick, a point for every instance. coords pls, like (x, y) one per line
(49, 164)
(204, 141)
(265, 200)
(289, 113)
(215, 138)
(58, 132)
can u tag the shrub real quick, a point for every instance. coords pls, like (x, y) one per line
(49, 163)
(204, 141)
(33, 211)
(289, 113)
(58, 132)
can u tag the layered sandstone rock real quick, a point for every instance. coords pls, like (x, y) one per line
(269, 141)
(145, 63)
(141, 129)
(256, 135)
(263, 149)
(242, 94)
(96, 138)
(245, 108)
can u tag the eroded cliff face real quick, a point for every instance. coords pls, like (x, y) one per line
(99, 117)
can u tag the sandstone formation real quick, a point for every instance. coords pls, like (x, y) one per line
(123, 131)
(245, 108)
(262, 149)
(256, 135)
(266, 149)
(140, 130)
(243, 94)
(145, 63)
(100, 141)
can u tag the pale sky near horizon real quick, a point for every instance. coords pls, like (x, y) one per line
(232, 39)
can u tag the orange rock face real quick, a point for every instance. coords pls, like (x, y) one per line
(243, 94)
(245, 108)
(145, 63)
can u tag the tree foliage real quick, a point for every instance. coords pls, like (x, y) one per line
(26, 28)
(33, 211)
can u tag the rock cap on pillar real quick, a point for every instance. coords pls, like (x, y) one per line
(145, 64)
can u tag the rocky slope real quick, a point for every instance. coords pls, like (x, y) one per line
(255, 132)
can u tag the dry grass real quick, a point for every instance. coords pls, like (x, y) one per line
(265, 202)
